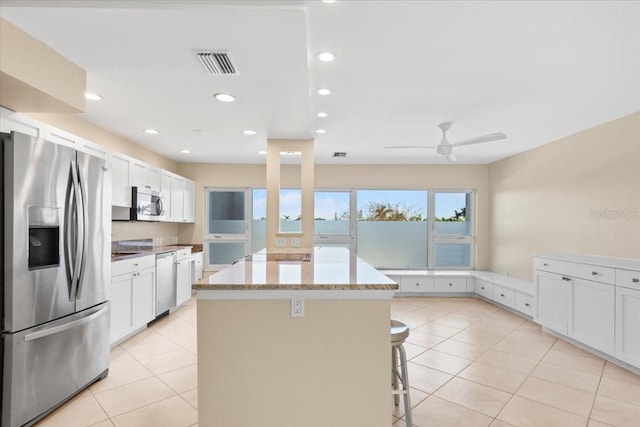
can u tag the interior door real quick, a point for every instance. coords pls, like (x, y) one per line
(95, 270)
(37, 287)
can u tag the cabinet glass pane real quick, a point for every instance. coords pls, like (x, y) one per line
(452, 255)
(226, 212)
(225, 253)
(331, 212)
(392, 228)
(453, 213)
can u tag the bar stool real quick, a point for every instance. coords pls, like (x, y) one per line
(400, 380)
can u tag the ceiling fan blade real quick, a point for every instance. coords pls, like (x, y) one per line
(393, 147)
(487, 138)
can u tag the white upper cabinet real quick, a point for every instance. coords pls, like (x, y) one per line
(144, 176)
(13, 121)
(189, 201)
(177, 198)
(120, 188)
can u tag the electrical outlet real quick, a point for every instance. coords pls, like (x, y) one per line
(297, 307)
(281, 241)
(295, 241)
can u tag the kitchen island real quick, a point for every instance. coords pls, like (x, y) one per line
(259, 364)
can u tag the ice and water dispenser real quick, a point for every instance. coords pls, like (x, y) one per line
(44, 237)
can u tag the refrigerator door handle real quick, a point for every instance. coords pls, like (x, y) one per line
(78, 248)
(69, 234)
(57, 329)
(83, 235)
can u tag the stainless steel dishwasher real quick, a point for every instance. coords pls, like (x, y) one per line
(165, 282)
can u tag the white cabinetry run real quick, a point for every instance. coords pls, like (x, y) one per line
(183, 276)
(593, 301)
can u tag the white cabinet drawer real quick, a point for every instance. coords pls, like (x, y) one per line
(484, 289)
(574, 269)
(184, 253)
(450, 284)
(132, 264)
(504, 296)
(628, 279)
(524, 303)
(416, 284)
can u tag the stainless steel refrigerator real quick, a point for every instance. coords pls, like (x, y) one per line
(55, 272)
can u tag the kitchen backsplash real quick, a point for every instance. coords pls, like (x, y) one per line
(163, 233)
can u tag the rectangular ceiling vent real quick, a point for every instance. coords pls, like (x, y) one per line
(216, 62)
(339, 154)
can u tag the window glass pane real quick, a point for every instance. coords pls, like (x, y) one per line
(225, 253)
(392, 228)
(259, 225)
(453, 255)
(290, 210)
(226, 212)
(453, 213)
(331, 216)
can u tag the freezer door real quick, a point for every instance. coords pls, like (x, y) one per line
(37, 286)
(45, 365)
(95, 234)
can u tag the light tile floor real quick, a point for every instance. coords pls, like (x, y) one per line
(471, 364)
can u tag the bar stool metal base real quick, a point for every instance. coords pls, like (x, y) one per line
(400, 378)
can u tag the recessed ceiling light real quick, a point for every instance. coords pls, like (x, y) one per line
(324, 91)
(321, 131)
(185, 151)
(92, 96)
(224, 97)
(248, 132)
(151, 131)
(326, 57)
(329, 1)
(322, 114)
(291, 153)
(264, 153)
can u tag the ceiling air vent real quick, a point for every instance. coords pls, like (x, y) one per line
(339, 154)
(216, 62)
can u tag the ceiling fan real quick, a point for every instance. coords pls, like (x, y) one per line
(445, 148)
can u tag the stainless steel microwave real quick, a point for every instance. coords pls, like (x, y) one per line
(146, 205)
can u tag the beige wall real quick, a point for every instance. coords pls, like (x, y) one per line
(348, 176)
(34, 77)
(548, 200)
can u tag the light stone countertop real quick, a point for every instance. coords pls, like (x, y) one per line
(329, 268)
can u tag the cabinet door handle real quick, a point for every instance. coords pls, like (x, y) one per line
(635, 280)
(544, 264)
(594, 273)
(417, 284)
(527, 304)
(450, 284)
(566, 279)
(482, 287)
(502, 295)
(135, 265)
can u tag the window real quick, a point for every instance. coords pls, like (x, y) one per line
(227, 228)
(259, 222)
(392, 228)
(453, 237)
(333, 224)
(290, 210)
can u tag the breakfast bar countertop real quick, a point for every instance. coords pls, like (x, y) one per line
(320, 268)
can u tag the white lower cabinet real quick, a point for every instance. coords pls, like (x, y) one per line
(450, 284)
(591, 314)
(484, 288)
(627, 347)
(504, 296)
(196, 267)
(525, 304)
(552, 308)
(416, 284)
(183, 276)
(133, 295)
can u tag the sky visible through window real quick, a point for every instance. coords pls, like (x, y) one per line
(329, 204)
